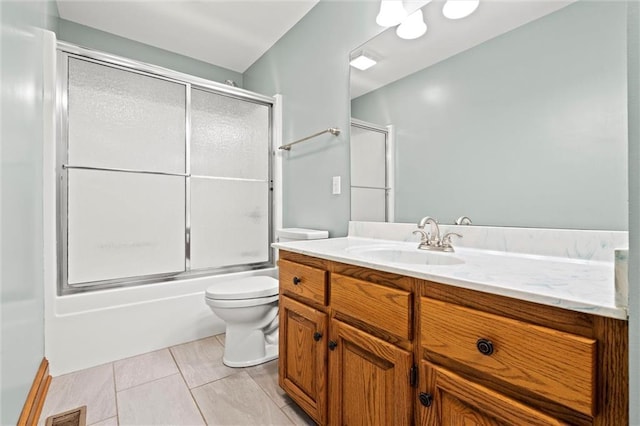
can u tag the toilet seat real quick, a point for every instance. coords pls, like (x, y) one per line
(240, 303)
(246, 288)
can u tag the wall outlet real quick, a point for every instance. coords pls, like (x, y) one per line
(336, 185)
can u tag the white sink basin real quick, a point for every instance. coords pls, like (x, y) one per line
(406, 256)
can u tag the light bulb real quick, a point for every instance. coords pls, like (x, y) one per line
(457, 9)
(412, 27)
(391, 13)
(362, 62)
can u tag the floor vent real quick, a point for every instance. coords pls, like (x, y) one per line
(75, 417)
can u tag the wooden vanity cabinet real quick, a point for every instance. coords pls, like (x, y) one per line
(454, 400)
(509, 361)
(303, 333)
(302, 370)
(359, 346)
(368, 348)
(368, 379)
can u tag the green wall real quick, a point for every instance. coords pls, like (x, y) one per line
(309, 67)
(95, 39)
(526, 129)
(21, 286)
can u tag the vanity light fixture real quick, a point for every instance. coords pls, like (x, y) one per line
(457, 9)
(362, 62)
(412, 27)
(391, 13)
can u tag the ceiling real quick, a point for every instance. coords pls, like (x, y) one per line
(231, 34)
(398, 58)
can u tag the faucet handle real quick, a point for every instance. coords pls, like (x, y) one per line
(463, 220)
(424, 237)
(446, 240)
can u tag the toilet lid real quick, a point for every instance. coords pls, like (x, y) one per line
(245, 288)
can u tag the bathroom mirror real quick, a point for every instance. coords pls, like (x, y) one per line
(513, 116)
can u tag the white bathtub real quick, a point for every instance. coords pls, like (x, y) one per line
(85, 330)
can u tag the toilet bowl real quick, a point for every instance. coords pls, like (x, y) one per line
(249, 307)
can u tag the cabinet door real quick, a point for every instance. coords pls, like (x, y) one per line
(303, 356)
(449, 400)
(369, 379)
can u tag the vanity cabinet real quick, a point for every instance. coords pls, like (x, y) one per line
(368, 348)
(368, 379)
(517, 362)
(303, 317)
(360, 346)
(303, 356)
(453, 400)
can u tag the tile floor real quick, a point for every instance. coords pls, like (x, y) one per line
(181, 385)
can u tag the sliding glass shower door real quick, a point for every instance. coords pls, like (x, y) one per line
(159, 178)
(229, 181)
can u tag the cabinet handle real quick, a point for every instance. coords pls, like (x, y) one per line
(332, 344)
(485, 347)
(426, 399)
(296, 280)
(317, 336)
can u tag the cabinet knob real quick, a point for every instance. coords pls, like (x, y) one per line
(296, 280)
(426, 399)
(317, 336)
(485, 347)
(332, 344)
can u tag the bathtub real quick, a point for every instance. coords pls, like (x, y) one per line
(88, 329)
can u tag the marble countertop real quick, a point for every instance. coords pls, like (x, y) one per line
(574, 284)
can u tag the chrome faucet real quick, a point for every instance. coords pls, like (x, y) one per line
(431, 240)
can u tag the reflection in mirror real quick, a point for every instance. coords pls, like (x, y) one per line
(514, 116)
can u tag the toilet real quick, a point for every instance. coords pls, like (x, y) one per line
(249, 307)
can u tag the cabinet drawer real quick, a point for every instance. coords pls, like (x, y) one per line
(554, 364)
(303, 281)
(386, 308)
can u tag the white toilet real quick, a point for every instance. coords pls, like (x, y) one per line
(249, 307)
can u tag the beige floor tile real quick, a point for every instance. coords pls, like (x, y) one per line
(266, 375)
(166, 401)
(144, 368)
(297, 415)
(237, 400)
(111, 421)
(93, 387)
(221, 338)
(201, 361)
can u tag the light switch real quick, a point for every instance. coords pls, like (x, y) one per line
(336, 185)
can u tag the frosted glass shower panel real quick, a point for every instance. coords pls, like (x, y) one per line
(229, 137)
(229, 222)
(124, 225)
(121, 119)
(368, 158)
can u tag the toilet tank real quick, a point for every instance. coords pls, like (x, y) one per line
(298, 234)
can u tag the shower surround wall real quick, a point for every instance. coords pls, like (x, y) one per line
(90, 328)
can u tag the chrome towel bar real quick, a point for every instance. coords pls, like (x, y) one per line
(333, 130)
